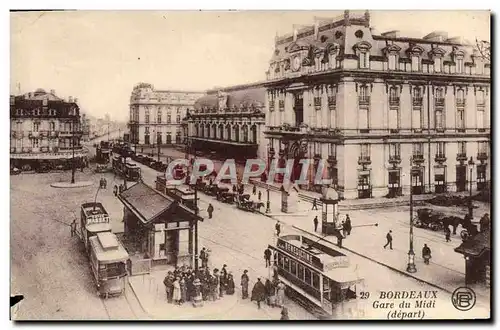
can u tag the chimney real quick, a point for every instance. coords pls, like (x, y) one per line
(75, 100)
(316, 30)
(294, 33)
(70, 99)
(367, 19)
(53, 92)
(346, 18)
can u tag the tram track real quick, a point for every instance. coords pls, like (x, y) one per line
(119, 308)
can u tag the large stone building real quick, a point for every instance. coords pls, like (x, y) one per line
(44, 127)
(367, 102)
(229, 122)
(156, 115)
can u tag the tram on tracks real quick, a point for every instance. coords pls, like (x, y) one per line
(107, 255)
(126, 169)
(108, 261)
(317, 274)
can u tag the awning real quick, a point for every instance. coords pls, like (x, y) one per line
(234, 143)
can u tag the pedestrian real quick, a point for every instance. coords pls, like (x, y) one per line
(315, 205)
(204, 258)
(254, 190)
(230, 284)
(214, 290)
(244, 284)
(205, 286)
(426, 254)
(280, 294)
(234, 188)
(284, 314)
(183, 286)
(177, 291)
(115, 190)
(278, 228)
(210, 210)
(315, 221)
(348, 225)
(258, 292)
(168, 286)
(223, 272)
(344, 229)
(260, 195)
(267, 257)
(389, 239)
(270, 293)
(222, 285)
(484, 222)
(447, 233)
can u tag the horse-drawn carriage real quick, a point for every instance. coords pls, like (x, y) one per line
(227, 197)
(243, 202)
(428, 218)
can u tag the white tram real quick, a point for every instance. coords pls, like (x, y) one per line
(319, 273)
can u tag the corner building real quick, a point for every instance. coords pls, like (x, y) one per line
(377, 107)
(156, 115)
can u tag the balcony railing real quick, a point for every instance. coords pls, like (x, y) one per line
(54, 134)
(460, 102)
(364, 100)
(271, 105)
(440, 158)
(461, 156)
(394, 159)
(417, 102)
(44, 149)
(364, 160)
(34, 134)
(281, 105)
(332, 102)
(439, 101)
(44, 133)
(482, 156)
(418, 158)
(317, 103)
(12, 150)
(394, 101)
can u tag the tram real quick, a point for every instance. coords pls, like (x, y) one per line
(108, 260)
(94, 219)
(317, 273)
(126, 169)
(184, 194)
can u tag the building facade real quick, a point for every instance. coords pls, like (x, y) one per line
(384, 112)
(229, 122)
(44, 128)
(156, 115)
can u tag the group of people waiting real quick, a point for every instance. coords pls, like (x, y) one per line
(181, 284)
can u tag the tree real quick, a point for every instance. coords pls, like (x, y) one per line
(484, 49)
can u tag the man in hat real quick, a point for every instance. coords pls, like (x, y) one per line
(204, 258)
(244, 284)
(210, 210)
(258, 292)
(267, 257)
(315, 221)
(389, 239)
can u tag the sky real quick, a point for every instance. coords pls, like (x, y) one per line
(98, 56)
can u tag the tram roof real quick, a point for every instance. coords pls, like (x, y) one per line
(107, 248)
(344, 275)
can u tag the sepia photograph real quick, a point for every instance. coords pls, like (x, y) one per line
(241, 165)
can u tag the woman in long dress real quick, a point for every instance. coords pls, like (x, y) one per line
(230, 284)
(280, 301)
(183, 286)
(177, 291)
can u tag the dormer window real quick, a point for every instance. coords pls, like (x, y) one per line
(415, 63)
(363, 51)
(460, 65)
(438, 64)
(392, 61)
(364, 60)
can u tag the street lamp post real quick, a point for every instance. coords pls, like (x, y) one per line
(268, 203)
(73, 152)
(411, 268)
(471, 167)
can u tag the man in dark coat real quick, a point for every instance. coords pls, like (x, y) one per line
(447, 233)
(267, 257)
(254, 190)
(210, 210)
(348, 225)
(278, 228)
(204, 258)
(389, 239)
(315, 205)
(244, 284)
(258, 292)
(315, 221)
(260, 195)
(484, 223)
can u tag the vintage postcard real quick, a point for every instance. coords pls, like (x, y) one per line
(250, 165)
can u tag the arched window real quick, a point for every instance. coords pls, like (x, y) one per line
(228, 132)
(213, 134)
(196, 130)
(221, 132)
(245, 133)
(254, 133)
(236, 133)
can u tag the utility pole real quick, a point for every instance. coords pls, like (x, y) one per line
(73, 150)
(158, 142)
(411, 268)
(196, 230)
